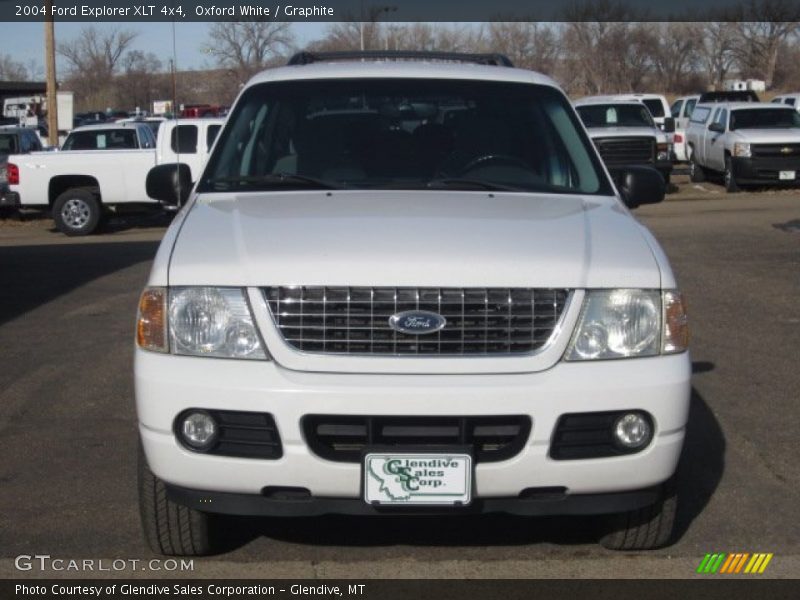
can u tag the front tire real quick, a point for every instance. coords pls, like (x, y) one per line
(730, 179)
(77, 212)
(696, 173)
(170, 528)
(645, 528)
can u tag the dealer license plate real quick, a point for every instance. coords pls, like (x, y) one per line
(418, 479)
(786, 175)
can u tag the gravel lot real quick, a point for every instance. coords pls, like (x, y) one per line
(68, 443)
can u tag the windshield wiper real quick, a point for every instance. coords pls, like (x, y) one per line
(479, 184)
(277, 178)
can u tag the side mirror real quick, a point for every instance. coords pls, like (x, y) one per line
(169, 183)
(716, 127)
(669, 125)
(640, 185)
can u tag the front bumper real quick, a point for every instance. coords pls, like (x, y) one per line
(765, 170)
(167, 385)
(527, 504)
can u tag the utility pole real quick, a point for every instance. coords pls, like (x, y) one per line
(50, 62)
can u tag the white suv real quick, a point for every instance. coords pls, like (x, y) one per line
(407, 285)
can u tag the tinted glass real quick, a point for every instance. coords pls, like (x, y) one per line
(690, 104)
(655, 107)
(765, 119)
(8, 143)
(403, 134)
(211, 135)
(184, 139)
(700, 114)
(107, 139)
(675, 109)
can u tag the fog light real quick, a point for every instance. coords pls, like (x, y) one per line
(199, 430)
(632, 430)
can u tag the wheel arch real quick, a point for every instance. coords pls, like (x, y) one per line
(61, 183)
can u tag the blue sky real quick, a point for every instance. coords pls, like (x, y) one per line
(24, 42)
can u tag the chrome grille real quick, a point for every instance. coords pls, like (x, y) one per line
(355, 320)
(617, 152)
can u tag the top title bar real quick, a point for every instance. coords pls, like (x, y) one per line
(398, 10)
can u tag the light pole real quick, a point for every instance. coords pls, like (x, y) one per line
(50, 65)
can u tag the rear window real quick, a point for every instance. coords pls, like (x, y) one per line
(655, 107)
(8, 143)
(106, 139)
(615, 115)
(700, 114)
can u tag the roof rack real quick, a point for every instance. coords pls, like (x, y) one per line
(306, 58)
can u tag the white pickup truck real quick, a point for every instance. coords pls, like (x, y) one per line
(748, 142)
(103, 167)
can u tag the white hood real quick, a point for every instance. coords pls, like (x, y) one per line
(768, 136)
(411, 238)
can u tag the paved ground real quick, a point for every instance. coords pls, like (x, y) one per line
(67, 424)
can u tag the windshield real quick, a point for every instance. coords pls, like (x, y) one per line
(403, 134)
(615, 115)
(8, 143)
(764, 119)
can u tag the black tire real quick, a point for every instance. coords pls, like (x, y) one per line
(730, 179)
(77, 212)
(170, 528)
(697, 174)
(645, 528)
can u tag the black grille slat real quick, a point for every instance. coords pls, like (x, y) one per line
(355, 320)
(343, 438)
(775, 150)
(622, 151)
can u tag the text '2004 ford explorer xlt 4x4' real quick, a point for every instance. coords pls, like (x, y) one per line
(408, 286)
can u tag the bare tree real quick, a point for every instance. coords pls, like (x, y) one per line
(528, 45)
(141, 80)
(676, 54)
(93, 58)
(11, 70)
(764, 26)
(718, 51)
(248, 47)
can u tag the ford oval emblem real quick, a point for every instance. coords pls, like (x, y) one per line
(417, 322)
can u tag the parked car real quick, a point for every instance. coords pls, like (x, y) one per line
(351, 317)
(790, 99)
(748, 143)
(14, 140)
(624, 133)
(104, 167)
(681, 110)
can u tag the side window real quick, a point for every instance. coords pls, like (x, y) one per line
(145, 137)
(700, 114)
(184, 139)
(36, 145)
(789, 101)
(24, 143)
(675, 109)
(690, 104)
(722, 117)
(777, 100)
(211, 135)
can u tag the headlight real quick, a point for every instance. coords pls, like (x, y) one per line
(663, 151)
(198, 321)
(206, 321)
(617, 324)
(741, 149)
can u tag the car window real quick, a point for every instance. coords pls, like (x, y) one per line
(749, 118)
(104, 139)
(184, 139)
(8, 143)
(36, 144)
(700, 114)
(146, 137)
(777, 100)
(24, 143)
(690, 104)
(675, 109)
(211, 135)
(615, 115)
(722, 117)
(655, 106)
(403, 134)
(789, 101)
